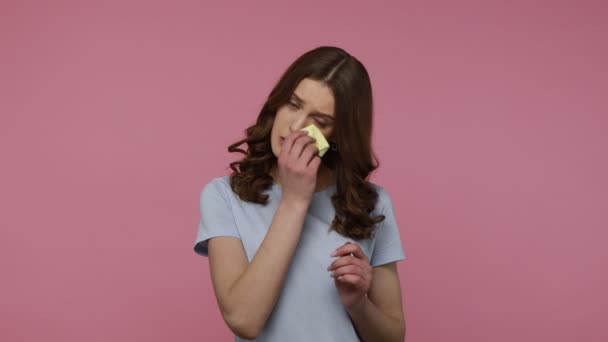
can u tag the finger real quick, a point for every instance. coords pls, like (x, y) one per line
(349, 248)
(307, 154)
(289, 140)
(346, 260)
(298, 146)
(314, 163)
(353, 279)
(348, 269)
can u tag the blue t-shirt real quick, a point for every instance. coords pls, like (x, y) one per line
(308, 307)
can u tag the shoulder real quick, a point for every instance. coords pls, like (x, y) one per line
(221, 182)
(384, 199)
(218, 185)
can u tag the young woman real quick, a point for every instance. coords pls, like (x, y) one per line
(303, 247)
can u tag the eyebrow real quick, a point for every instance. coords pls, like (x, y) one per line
(300, 101)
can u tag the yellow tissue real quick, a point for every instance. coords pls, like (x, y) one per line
(321, 143)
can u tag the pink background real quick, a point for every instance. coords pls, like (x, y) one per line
(491, 128)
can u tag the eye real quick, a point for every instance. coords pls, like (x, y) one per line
(292, 104)
(321, 123)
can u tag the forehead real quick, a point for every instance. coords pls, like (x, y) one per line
(316, 95)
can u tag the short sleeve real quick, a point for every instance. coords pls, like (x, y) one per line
(216, 218)
(387, 246)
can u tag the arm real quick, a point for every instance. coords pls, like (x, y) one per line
(371, 295)
(379, 316)
(247, 292)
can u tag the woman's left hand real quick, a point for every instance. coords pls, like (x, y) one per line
(352, 274)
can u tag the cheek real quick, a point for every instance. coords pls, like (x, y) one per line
(281, 116)
(276, 124)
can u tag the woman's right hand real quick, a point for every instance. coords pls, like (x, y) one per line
(298, 163)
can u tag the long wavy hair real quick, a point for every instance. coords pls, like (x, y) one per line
(351, 163)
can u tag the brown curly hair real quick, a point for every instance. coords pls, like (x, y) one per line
(354, 160)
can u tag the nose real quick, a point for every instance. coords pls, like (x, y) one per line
(298, 124)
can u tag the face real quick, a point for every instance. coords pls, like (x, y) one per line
(312, 102)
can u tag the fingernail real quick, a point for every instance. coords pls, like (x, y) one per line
(333, 254)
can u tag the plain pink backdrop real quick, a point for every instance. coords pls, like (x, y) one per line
(491, 123)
